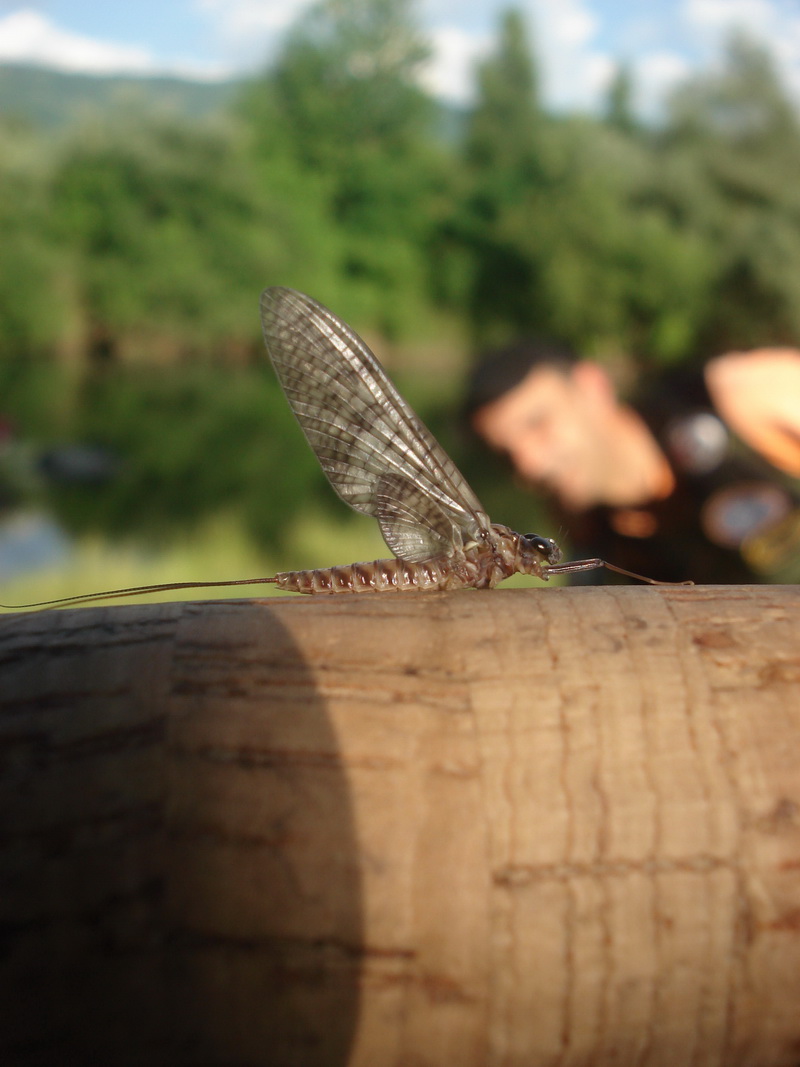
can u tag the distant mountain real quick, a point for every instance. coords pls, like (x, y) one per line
(51, 98)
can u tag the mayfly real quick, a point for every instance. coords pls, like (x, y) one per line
(383, 461)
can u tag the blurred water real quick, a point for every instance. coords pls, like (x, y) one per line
(30, 541)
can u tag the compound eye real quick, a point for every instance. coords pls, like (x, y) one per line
(546, 546)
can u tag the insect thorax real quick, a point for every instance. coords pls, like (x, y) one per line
(500, 553)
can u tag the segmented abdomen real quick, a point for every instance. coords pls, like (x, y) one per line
(382, 575)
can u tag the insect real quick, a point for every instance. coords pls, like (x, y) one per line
(384, 462)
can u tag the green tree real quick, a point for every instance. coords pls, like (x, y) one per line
(342, 102)
(566, 235)
(610, 270)
(619, 101)
(172, 235)
(730, 159)
(345, 83)
(36, 298)
(506, 162)
(503, 127)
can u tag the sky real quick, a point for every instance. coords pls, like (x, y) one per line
(578, 43)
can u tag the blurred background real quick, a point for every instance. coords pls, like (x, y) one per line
(443, 179)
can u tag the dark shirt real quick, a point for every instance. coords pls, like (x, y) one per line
(731, 518)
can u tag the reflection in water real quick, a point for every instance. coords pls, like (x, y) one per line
(30, 542)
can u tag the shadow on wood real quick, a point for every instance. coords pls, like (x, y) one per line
(521, 827)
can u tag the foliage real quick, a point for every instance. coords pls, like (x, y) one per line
(620, 113)
(564, 237)
(505, 157)
(501, 140)
(341, 102)
(737, 135)
(34, 301)
(170, 227)
(51, 99)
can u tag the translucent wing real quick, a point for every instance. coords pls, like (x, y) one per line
(377, 454)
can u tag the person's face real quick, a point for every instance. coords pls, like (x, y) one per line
(552, 428)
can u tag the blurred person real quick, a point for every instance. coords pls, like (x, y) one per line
(696, 477)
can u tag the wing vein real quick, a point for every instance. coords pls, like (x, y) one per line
(374, 450)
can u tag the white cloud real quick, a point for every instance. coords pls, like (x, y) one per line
(655, 75)
(248, 31)
(26, 36)
(574, 51)
(719, 15)
(449, 73)
(575, 72)
(240, 20)
(776, 23)
(570, 23)
(29, 37)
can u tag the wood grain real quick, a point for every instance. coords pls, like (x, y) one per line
(552, 826)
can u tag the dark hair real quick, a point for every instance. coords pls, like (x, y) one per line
(500, 370)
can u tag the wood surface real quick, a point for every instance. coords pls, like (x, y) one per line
(545, 826)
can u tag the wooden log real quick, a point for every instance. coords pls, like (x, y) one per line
(550, 826)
